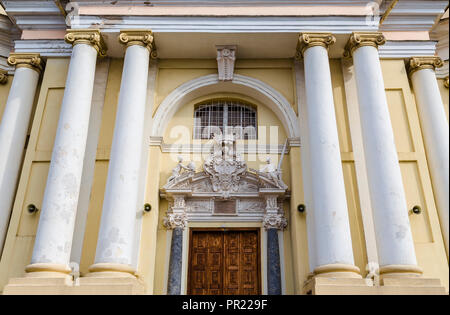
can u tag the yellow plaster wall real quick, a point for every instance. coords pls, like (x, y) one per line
(297, 227)
(153, 238)
(425, 227)
(444, 94)
(4, 92)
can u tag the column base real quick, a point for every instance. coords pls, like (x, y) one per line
(48, 271)
(100, 283)
(403, 271)
(110, 270)
(390, 286)
(337, 271)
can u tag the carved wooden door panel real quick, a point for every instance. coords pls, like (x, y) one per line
(224, 262)
(215, 264)
(249, 264)
(198, 264)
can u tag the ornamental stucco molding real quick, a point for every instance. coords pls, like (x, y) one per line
(361, 39)
(25, 60)
(308, 40)
(88, 37)
(419, 63)
(142, 38)
(273, 218)
(175, 221)
(225, 182)
(274, 221)
(446, 83)
(176, 217)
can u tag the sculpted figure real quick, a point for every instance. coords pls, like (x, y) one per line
(217, 149)
(271, 172)
(176, 172)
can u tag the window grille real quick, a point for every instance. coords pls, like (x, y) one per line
(225, 117)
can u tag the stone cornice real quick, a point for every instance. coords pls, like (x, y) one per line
(361, 39)
(308, 40)
(420, 63)
(32, 61)
(89, 37)
(142, 38)
(3, 76)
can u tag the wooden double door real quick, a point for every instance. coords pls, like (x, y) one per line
(224, 262)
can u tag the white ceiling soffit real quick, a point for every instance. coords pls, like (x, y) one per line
(413, 15)
(31, 14)
(334, 24)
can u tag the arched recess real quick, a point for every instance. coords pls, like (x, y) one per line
(205, 85)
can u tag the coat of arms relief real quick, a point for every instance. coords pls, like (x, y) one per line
(197, 195)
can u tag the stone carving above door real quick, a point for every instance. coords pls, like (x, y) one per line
(225, 176)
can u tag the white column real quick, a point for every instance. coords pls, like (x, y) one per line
(120, 205)
(56, 225)
(393, 232)
(13, 130)
(435, 131)
(333, 244)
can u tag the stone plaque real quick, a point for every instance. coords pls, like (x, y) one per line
(225, 207)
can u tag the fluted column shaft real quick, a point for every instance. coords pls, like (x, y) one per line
(56, 225)
(116, 237)
(435, 131)
(395, 244)
(13, 129)
(333, 244)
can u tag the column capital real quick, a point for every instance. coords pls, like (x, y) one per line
(361, 39)
(89, 37)
(446, 83)
(174, 221)
(274, 221)
(419, 63)
(142, 38)
(26, 60)
(308, 40)
(3, 76)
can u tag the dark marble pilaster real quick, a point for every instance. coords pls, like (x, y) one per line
(273, 263)
(175, 264)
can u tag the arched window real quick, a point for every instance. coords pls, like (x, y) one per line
(225, 117)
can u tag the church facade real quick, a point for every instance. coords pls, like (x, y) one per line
(224, 147)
